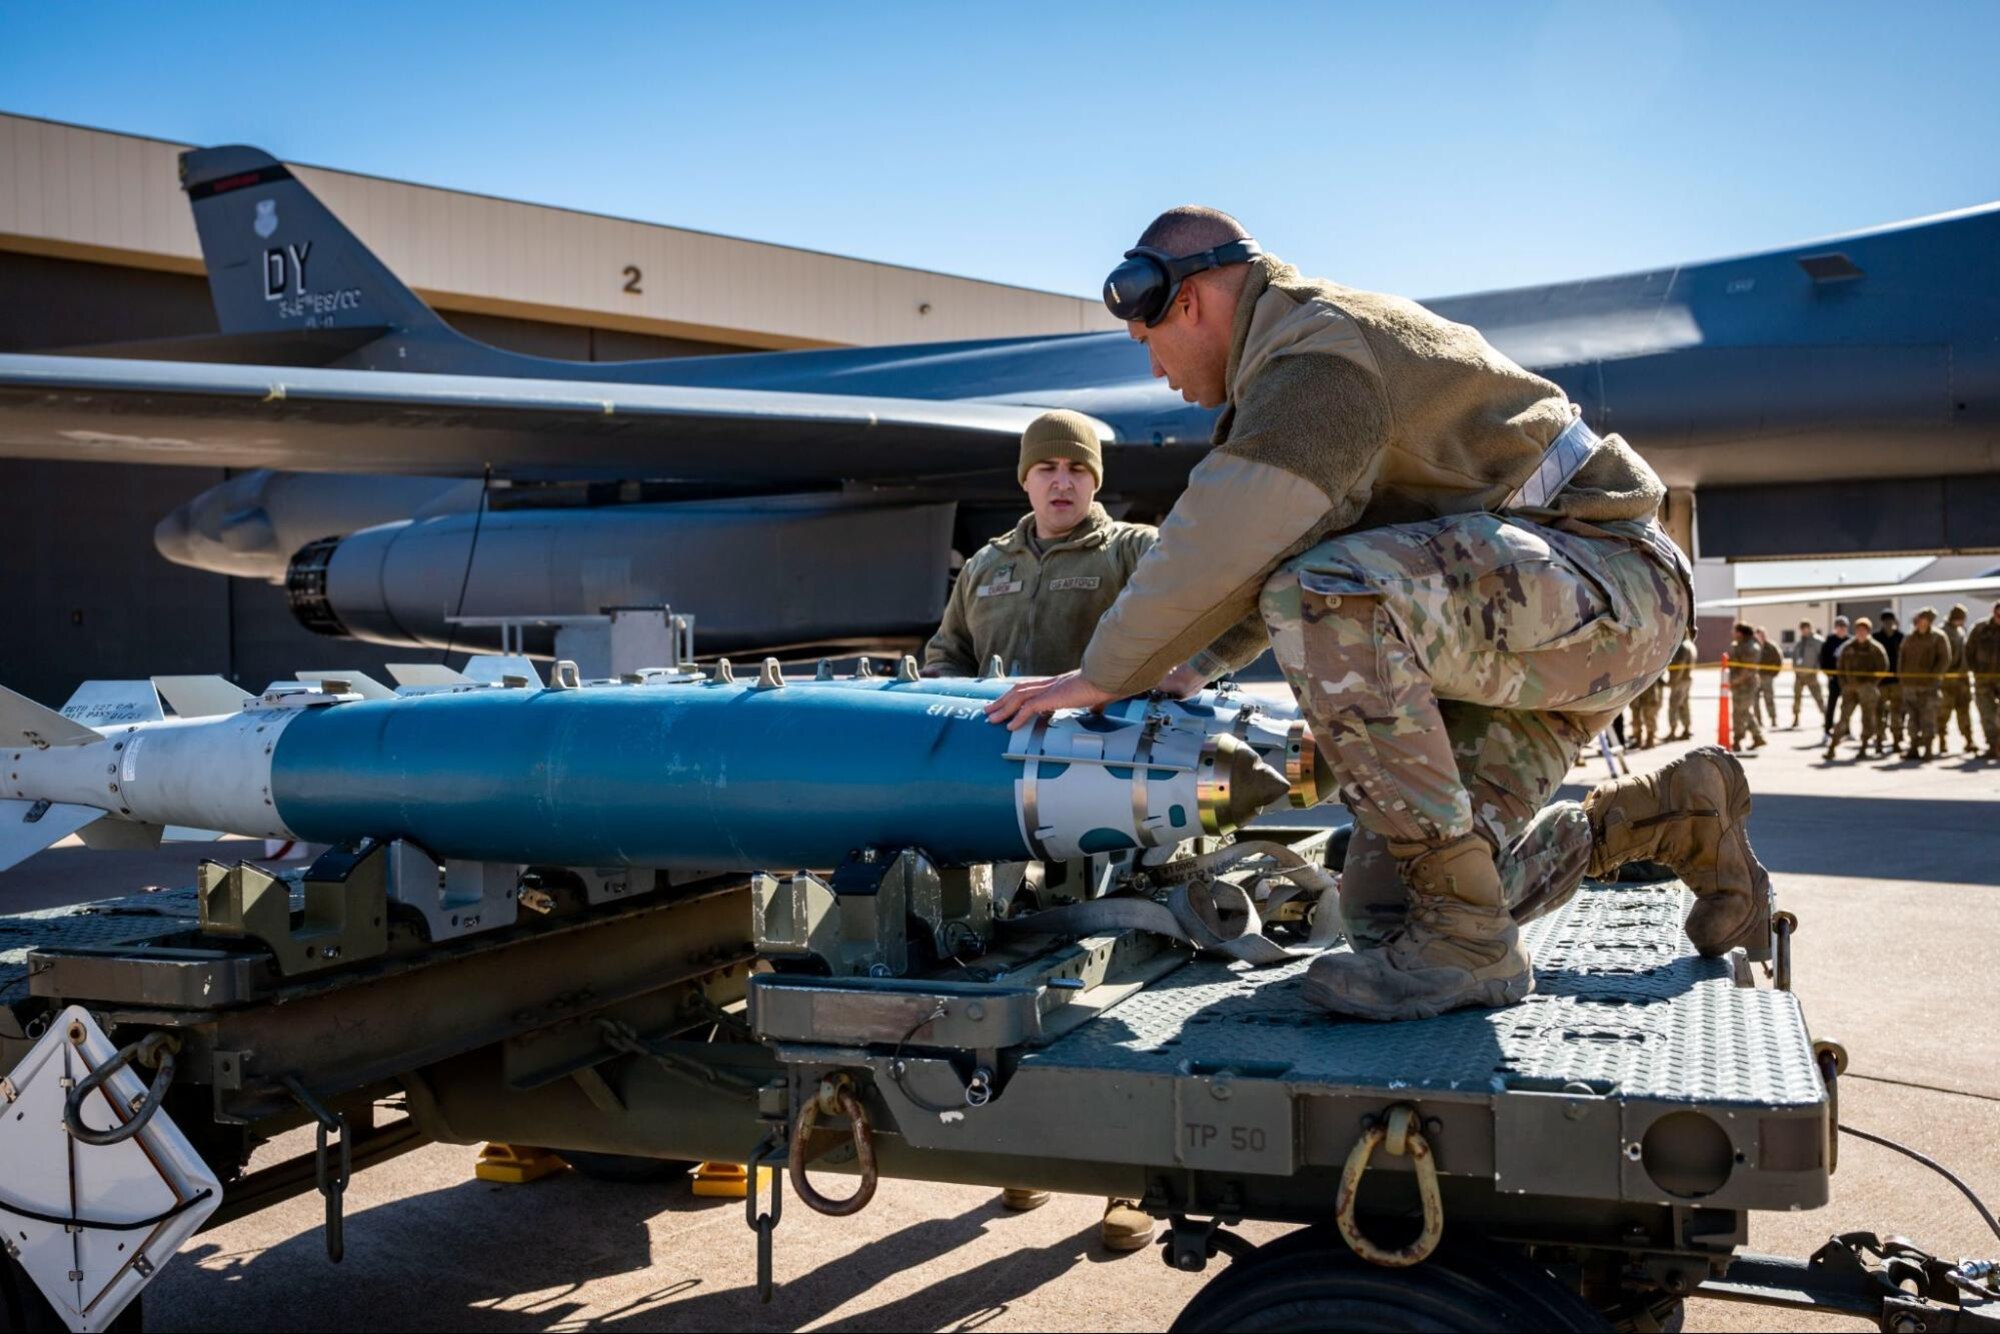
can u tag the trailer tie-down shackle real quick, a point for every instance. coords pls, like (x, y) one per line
(835, 1097)
(156, 1050)
(1399, 1134)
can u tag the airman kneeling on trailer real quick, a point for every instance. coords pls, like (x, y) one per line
(1463, 584)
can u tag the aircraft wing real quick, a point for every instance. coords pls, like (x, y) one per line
(1989, 583)
(305, 419)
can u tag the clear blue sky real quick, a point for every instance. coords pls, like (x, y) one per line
(1426, 149)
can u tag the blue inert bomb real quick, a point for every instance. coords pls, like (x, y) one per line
(712, 775)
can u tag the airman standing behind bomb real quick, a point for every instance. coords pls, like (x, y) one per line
(1031, 596)
(1746, 686)
(1982, 660)
(1955, 696)
(1680, 690)
(1772, 659)
(1463, 584)
(1891, 713)
(1805, 673)
(1863, 661)
(1926, 653)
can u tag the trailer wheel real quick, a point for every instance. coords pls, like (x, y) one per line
(1311, 1280)
(624, 1168)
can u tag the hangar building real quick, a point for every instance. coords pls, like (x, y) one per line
(97, 245)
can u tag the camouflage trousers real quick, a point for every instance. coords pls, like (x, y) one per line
(1955, 701)
(1986, 695)
(1452, 670)
(1890, 722)
(1767, 694)
(1920, 709)
(1743, 713)
(1865, 698)
(1680, 718)
(1646, 716)
(1806, 682)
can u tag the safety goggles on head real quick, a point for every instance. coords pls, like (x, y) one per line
(1144, 286)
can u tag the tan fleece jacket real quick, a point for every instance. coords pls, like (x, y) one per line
(1035, 612)
(1982, 648)
(1347, 409)
(1926, 653)
(1861, 662)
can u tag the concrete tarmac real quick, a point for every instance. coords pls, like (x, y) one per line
(1893, 868)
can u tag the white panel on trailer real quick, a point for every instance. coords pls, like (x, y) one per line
(89, 1271)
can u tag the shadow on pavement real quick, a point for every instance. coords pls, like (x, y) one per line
(486, 1258)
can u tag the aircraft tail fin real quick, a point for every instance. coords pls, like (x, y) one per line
(279, 261)
(26, 723)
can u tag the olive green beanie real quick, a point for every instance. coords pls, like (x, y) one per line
(1061, 435)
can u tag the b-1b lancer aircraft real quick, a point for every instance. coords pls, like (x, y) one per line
(403, 473)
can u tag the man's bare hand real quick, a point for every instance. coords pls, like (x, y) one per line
(1181, 682)
(1033, 699)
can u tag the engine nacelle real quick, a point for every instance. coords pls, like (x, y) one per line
(762, 573)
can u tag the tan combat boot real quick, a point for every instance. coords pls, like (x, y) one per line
(1692, 816)
(1459, 947)
(1126, 1226)
(1021, 1199)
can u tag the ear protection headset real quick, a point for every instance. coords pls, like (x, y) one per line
(1143, 287)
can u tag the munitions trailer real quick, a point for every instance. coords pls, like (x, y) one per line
(1584, 1160)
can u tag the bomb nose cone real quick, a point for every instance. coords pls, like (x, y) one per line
(1235, 784)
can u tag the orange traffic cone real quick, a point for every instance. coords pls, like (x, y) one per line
(1722, 737)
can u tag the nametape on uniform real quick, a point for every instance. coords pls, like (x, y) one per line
(1074, 581)
(1002, 582)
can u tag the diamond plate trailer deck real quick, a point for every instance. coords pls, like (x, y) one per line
(1599, 1147)
(1637, 1072)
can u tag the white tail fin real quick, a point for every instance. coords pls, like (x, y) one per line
(200, 696)
(26, 723)
(493, 668)
(427, 674)
(105, 704)
(359, 682)
(112, 834)
(26, 827)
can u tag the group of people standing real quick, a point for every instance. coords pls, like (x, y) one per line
(1907, 687)
(1916, 683)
